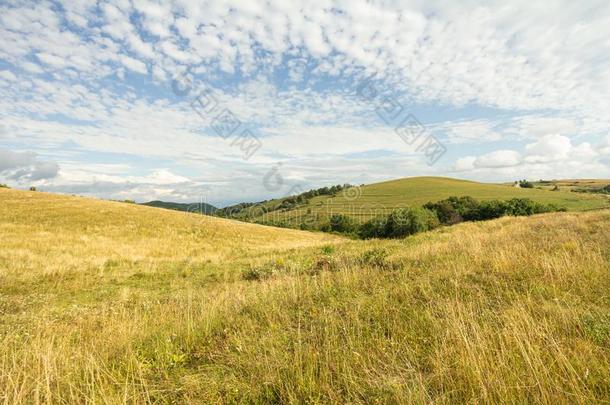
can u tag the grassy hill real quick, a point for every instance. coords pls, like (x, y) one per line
(200, 208)
(367, 201)
(104, 302)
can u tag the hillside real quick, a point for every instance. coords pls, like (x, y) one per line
(367, 201)
(104, 302)
(198, 208)
(578, 185)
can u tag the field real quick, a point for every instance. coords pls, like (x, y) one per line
(573, 184)
(365, 202)
(107, 302)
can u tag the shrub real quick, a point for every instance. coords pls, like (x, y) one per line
(375, 258)
(257, 273)
(342, 223)
(373, 228)
(410, 221)
(306, 226)
(454, 209)
(325, 227)
(4, 186)
(328, 249)
(488, 210)
(400, 223)
(525, 184)
(446, 212)
(33, 189)
(324, 263)
(264, 271)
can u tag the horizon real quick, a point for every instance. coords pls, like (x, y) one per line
(205, 200)
(172, 101)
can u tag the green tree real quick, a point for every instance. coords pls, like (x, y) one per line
(342, 223)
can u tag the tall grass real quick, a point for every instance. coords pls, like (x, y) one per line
(510, 311)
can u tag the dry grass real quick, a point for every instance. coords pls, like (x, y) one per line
(112, 303)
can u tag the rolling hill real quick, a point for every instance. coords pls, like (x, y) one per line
(367, 201)
(104, 302)
(198, 208)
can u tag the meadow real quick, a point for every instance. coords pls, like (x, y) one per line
(107, 302)
(367, 201)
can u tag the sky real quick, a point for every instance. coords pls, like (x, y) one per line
(231, 101)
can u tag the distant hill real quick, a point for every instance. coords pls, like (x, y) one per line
(201, 208)
(599, 186)
(367, 201)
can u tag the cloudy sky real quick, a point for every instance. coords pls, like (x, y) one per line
(247, 100)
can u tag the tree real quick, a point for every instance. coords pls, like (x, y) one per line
(455, 209)
(342, 223)
(373, 228)
(400, 223)
(445, 211)
(525, 184)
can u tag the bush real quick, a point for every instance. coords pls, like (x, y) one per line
(446, 212)
(525, 184)
(488, 210)
(33, 189)
(4, 186)
(450, 211)
(373, 228)
(375, 258)
(400, 223)
(328, 249)
(265, 271)
(410, 221)
(324, 227)
(342, 223)
(454, 209)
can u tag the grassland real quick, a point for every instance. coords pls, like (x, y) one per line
(106, 302)
(573, 184)
(365, 202)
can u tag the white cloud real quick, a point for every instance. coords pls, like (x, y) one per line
(549, 148)
(7, 75)
(499, 158)
(531, 79)
(470, 131)
(134, 64)
(465, 164)
(536, 127)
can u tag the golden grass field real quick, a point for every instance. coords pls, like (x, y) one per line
(104, 302)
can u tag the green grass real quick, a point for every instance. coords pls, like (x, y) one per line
(105, 302)
(573, 184)
(367, 201)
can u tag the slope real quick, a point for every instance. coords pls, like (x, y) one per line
(367, 201)
(116, 303)
(198, 208)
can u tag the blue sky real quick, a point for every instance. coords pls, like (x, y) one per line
(126, 99)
